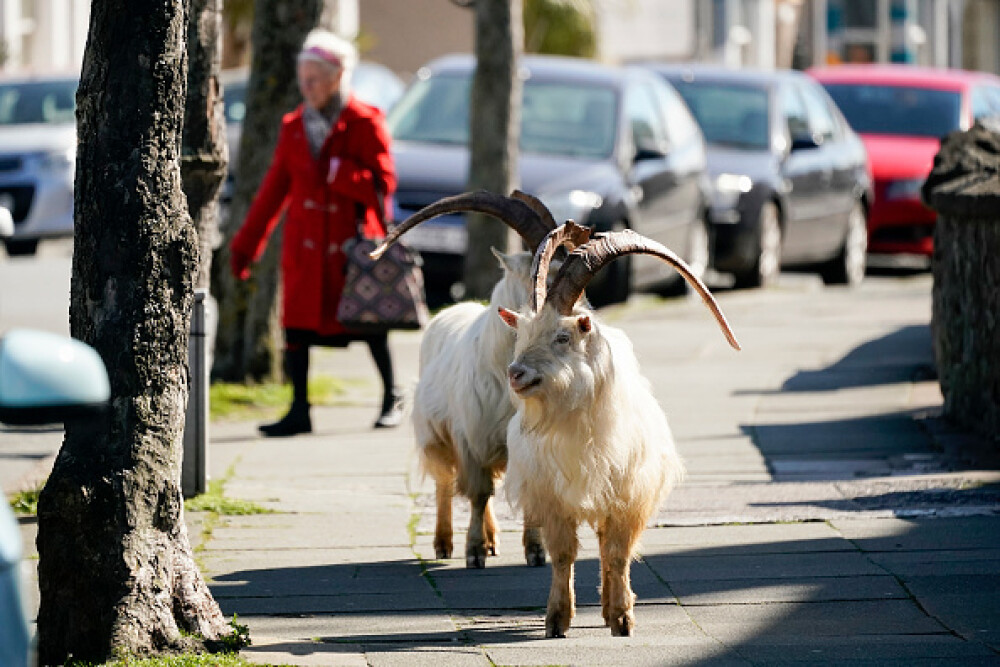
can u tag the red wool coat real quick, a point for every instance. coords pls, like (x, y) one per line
(320, 215)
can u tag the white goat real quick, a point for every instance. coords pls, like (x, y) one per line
(589, 442)
(461, 406)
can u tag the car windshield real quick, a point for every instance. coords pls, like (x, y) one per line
(897, 110)
(557, 118)
(38, 102)
(729, 115)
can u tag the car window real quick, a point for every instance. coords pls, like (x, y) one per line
(985, 102)
(897, 110)
(729, 114)
(434, 110)
(38, 102)
(681, 127)
(793, 110)
(644, 117)
(557, 118)
(821, 120)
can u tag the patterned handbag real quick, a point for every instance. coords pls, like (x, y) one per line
(384, 294)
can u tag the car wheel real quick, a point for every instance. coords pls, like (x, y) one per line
(767, 265)
(697, 255)
(18, 247)
(613, 283)
(848, 267)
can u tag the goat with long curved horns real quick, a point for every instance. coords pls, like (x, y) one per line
(461, 407)
(589, 442)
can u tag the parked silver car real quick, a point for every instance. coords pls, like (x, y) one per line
(37, 158)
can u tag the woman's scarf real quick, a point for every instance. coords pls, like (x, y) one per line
(319, 121)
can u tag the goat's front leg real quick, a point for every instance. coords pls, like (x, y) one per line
(617, 538)
(480, 491)
(445, 490)
(534, 550)
(490, 528)
(560, 538)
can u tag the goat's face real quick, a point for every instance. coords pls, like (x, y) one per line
(553, 357)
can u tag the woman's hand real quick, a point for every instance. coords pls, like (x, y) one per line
(334, 166)
(239, 264)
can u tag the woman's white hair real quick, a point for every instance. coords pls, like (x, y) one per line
(323, 46)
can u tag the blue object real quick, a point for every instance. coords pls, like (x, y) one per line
(47, 378)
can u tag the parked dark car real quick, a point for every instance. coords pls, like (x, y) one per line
(901, 113)
(608, 147)
(792, 186)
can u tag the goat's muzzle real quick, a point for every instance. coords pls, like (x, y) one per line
(522, 379)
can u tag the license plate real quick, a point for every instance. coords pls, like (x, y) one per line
(453, 239)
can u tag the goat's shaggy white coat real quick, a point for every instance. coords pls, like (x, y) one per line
(462, 407)
(588, 443)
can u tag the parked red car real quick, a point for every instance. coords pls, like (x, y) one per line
(901, 113)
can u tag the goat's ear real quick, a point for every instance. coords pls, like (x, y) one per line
(501, 258)
(584, 324)
(508, 316)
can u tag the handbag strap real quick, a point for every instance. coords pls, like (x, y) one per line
(359, 210)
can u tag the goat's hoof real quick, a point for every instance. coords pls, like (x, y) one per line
(534, 555)
(442, 549)
(556, 625)
(475, 558)
(622, 626)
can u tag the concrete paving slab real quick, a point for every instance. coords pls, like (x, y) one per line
(731, 623)
(306, 653)
(748, 538)
(977, 532)
(330, 604)
(674, 568)
(902, 650)
(790, 589)
(421, 626)
(425, 656)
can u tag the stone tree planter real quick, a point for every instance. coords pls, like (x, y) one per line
(964, 188)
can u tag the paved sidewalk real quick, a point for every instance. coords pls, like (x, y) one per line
(828, 515)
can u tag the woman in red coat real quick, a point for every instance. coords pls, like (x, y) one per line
(331, 172)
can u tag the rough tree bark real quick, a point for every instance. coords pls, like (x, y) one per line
(247, 341)
(964, 188)
(116, 570)
(203, 145)
(494, 131)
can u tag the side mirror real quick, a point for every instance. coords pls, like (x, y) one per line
(805, 142)
(45, 378)
(6, 223)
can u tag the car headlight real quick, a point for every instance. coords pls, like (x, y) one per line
(729, 188)
(906, 188)
(576, 205)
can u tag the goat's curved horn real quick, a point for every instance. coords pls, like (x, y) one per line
(584, 263)
(569, 234)
(537, 206)
(518, 214)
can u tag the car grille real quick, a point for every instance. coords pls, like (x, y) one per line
(9, 163)
(21, 196)
(903, 233)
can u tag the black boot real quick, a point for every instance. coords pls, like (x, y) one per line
(296, 421)
(392, 411)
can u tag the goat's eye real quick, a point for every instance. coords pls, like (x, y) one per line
(562, 338)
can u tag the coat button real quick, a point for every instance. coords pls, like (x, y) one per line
(308, 243)
(332, 250)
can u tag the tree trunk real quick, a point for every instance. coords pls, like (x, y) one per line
(249, 331)
(116, 571)
(203, 146)
(494, 129)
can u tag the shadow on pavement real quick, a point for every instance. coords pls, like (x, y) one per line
(851, 591)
